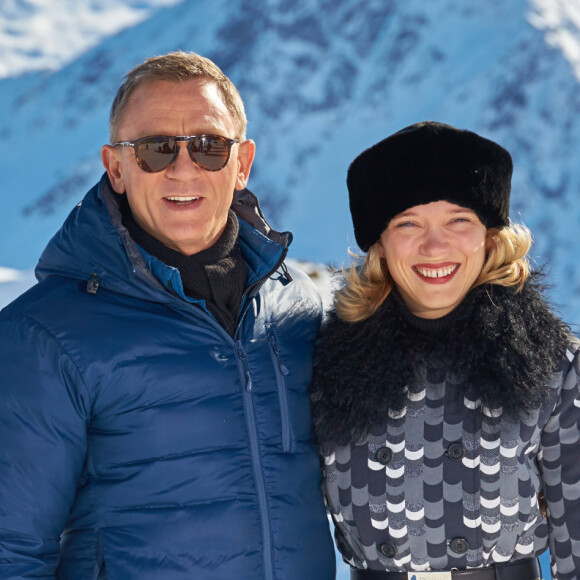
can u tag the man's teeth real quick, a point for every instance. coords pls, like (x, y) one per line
(182, 199)
(438, 272)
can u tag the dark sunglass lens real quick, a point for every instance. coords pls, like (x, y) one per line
(155, 154)
(210, 152)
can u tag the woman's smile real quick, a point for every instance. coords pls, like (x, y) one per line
(435, 253)
(436, 273)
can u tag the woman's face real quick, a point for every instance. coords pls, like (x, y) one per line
(434, 253)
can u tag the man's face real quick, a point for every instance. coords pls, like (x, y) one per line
(184, 207)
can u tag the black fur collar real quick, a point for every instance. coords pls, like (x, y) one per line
(504, 344)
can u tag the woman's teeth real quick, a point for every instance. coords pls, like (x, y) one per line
(437, 272)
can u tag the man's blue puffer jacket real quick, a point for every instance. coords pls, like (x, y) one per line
(138, 440)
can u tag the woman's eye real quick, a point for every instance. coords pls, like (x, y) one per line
(405, 224)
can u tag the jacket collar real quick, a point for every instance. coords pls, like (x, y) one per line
(94, 243)
(503, 348)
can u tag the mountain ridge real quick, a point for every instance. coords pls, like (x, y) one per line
(322, 81)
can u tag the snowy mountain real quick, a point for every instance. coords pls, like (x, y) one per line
(46, 34)
(322, 80)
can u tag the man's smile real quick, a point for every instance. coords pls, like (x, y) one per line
(181, 200)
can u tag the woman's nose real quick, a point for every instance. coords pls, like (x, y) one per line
(434, 242)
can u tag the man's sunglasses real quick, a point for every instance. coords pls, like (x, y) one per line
(156, 153)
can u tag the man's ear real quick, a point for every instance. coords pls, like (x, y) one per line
(246, 153)
(112, 162)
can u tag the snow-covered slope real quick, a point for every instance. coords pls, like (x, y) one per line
(13, 283)
(322, 80)
(46, 34)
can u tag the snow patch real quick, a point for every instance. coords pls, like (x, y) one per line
(560, 19)
(13, 283)
(47, 34)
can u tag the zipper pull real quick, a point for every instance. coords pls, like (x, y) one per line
(286, 273)
(93, 284)
(242, 356)
(240, 349)
(272, 338)
(274, 344)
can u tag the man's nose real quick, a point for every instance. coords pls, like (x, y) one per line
(183, 164)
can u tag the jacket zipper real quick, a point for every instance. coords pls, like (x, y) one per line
(281, 371)
(246, 379)
(256, 461)
(252, 291)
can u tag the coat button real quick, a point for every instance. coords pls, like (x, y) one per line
(388, 550)
(455, 451)
(384, 455)
(459, 545)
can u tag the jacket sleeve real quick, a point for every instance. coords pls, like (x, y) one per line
(43, 418)
(559, 462)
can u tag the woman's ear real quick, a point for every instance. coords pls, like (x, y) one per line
(489, 240)
(380, 249)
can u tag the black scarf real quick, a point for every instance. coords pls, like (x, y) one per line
(217, 275)
(505, 344)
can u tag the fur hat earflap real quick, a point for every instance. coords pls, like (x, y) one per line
(423, 163)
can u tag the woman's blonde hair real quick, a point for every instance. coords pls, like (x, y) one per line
(368, 284)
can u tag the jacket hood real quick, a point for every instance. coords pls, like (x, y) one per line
(93, 243)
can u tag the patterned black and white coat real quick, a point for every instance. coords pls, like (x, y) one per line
(452, 442)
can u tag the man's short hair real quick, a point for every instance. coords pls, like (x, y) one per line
(177, 67)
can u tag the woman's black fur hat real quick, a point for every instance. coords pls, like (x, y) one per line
(428, 162)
